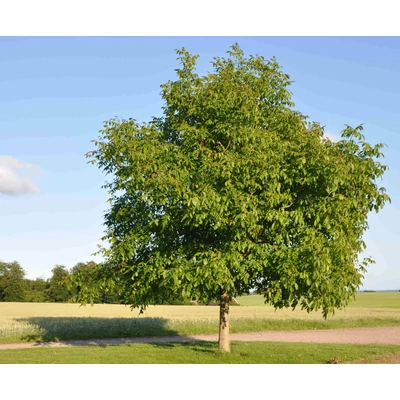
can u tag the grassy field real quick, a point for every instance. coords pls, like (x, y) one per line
(363, 300)
(46, 321)
(199, 353)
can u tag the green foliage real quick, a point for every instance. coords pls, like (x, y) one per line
(12, 283)
(83, 276)
(14, 287)
(37, 290)
(58, 290)
(232, 189)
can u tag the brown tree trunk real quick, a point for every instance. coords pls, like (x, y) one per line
(224, 340)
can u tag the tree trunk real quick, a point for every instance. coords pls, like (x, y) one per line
(224, 340)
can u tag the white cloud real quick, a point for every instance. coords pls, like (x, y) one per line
(15, 176)
(332, 137)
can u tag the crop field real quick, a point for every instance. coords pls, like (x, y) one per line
(49, 321)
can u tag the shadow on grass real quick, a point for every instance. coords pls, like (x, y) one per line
(201, 346)
(45, 329)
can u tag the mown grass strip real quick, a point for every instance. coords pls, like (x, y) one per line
(199, 353)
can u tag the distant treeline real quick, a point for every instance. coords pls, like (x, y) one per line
(64, 286)
(60, 288)
(15, 287)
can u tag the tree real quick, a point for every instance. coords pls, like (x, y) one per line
(37, 290)
(58, 285)
(13, 286)
(85, 274)
(232, 189)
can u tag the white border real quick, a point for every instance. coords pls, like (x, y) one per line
(201, 18)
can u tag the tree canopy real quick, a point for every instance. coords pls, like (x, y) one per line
(232, 189)
(58, 285)
(13, 285)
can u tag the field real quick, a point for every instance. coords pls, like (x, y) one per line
(363, 300)
(47, 321)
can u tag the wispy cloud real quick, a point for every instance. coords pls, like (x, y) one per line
(332, 137)
(15, 176)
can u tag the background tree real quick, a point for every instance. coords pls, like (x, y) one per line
(37, 290)
(13, 285)
(84, 274)
(58, 285)
(233, 189)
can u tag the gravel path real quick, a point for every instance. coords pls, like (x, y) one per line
(384, 335)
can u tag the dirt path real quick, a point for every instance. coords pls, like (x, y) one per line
(383, 335)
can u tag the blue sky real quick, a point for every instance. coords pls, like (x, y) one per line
(56, 92)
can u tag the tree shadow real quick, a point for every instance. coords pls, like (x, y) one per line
(201, 346)
(53, 329)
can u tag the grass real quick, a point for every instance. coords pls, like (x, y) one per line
(363, 300)
(199, 353)
(70, 328)
(377, 300)
(46, 321)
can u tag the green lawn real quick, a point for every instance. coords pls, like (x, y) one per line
(198, 353)
(363, 300)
